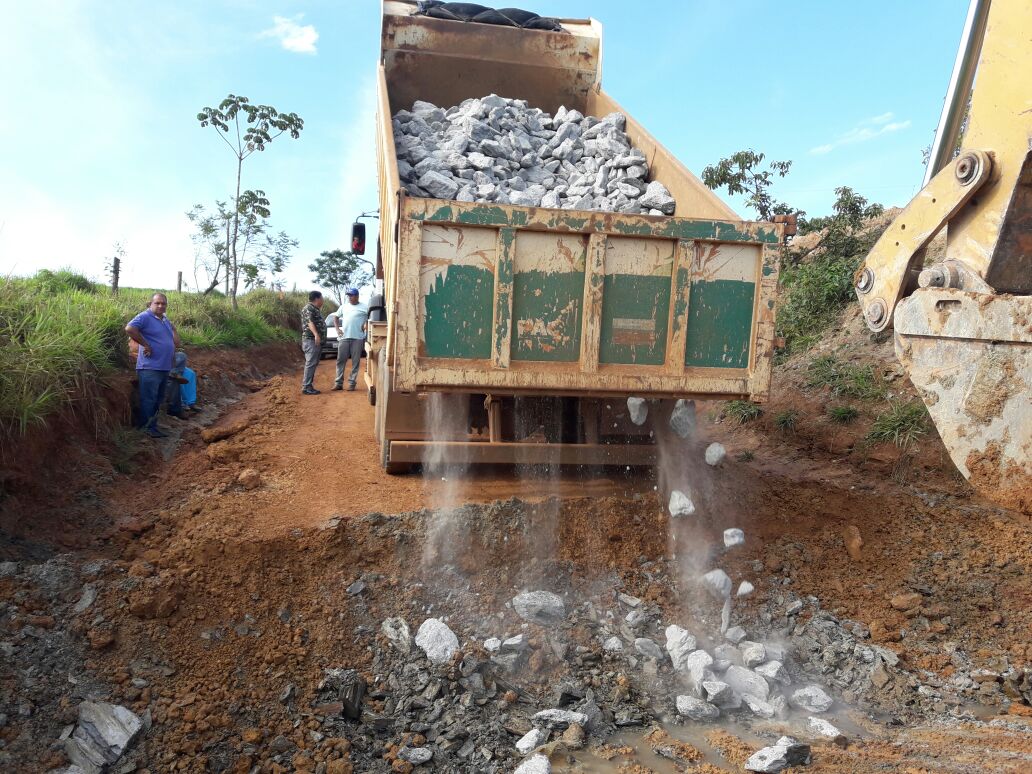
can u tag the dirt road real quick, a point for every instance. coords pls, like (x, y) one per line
(217, 602)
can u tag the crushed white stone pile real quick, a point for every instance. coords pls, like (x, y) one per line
(495, 149)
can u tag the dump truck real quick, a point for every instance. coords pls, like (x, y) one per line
(516, 334)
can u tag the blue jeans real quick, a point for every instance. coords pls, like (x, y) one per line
(152, 391)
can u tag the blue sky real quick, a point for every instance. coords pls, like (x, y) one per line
(100, 142)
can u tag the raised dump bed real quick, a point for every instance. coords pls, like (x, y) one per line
(499, 300)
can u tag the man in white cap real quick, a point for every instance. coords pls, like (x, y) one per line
(351, 322)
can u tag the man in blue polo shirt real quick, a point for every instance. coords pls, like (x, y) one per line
(158, 341)
(350, 321)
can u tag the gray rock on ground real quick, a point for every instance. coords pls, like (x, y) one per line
(540, 607)
(753, 653)
(774, 672)
(559, 718)
(102, 735)
(696, 709)
(416, 755)
(649, 649)
(812, 698)
(735, 634)
(436, 640)
(745, 589)
(779, 756)
(733, 536)
(679, 644)
(746, 682)
(536, 764)
(397, 633)
(821, 727)
(531, 741)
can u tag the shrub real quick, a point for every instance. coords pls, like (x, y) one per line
(786, 421)
(856, 381)
(842, 414)
(902, 424)
(741, 411)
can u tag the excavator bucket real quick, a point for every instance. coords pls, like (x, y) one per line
(965, 334)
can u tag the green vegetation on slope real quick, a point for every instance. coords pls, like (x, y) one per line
(59, 332)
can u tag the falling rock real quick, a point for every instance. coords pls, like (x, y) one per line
(812, 698)
(717, 584)
(721, 694)
(102, 734)
(657, 197)
(416, 755)
(733, 537)
(753, 653)
(515, 644)
(536, 764)
(784, 753)
(436, 640)
(682, 418)
(492, 644)
(679, 644)
(648, 649)
(638, 410)
(612, 645)
(531, 741)
(558, 718)
(715, 454)
(696, 709)
(540, 607)
(746, 682)
(680, 504)
(745, 589)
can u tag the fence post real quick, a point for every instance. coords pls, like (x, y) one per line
(179, 283)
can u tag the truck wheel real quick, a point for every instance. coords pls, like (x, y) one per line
(392, 468)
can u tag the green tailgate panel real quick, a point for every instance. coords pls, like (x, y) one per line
(456, 282)
(548, 296)
(720, 307)
(636, 301)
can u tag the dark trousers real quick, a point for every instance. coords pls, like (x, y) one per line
(152, 392)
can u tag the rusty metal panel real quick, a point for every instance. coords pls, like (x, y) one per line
(548, 290)
(456, 282)
(636, 300)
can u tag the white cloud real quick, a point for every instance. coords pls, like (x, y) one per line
(865, 130)
(292, 35)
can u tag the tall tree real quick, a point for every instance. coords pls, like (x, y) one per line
(740, 173)
(338, 270)
(245, 128)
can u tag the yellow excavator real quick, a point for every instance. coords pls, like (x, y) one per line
(963, 325)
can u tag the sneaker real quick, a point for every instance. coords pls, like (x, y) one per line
(337, 387)
(155, 433)
(179, 415)
(310, 391)
(351, 388)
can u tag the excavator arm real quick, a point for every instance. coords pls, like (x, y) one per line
(963, 326)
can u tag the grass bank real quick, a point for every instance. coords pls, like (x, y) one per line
(60, 334)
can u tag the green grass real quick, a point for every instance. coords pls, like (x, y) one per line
(844, 379)
(59, 333)
(902, 424)
(842, 414)
(746, 456)
(786, 421)
(741, 411)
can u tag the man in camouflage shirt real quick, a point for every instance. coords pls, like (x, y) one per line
(313, 331)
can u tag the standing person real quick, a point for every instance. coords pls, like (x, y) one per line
(350, 321)
(313, 331)
(158, 340)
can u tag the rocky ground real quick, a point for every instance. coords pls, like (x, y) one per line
(269, 602)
